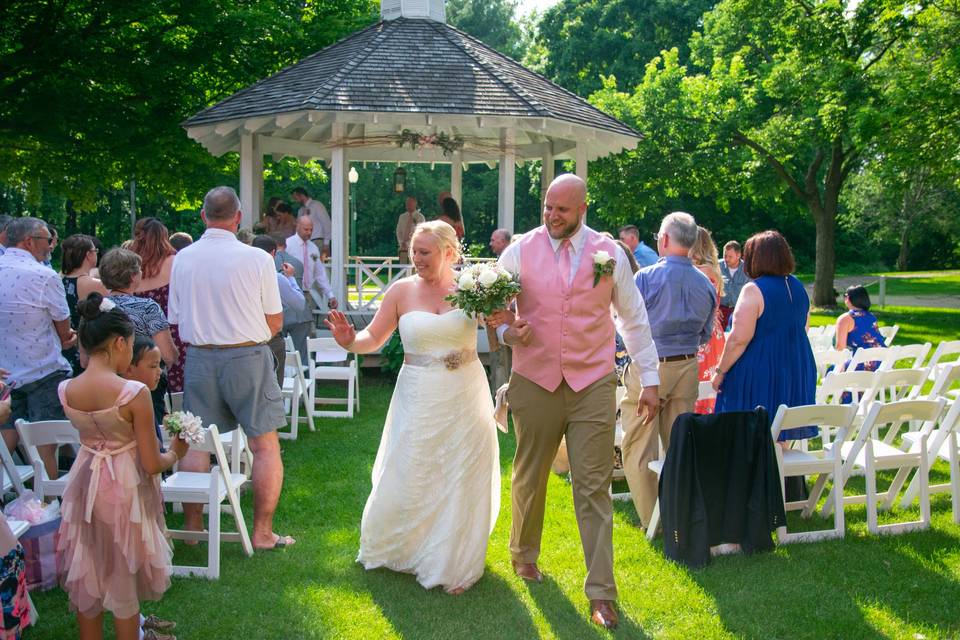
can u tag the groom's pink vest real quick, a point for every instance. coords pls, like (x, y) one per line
(573, 334)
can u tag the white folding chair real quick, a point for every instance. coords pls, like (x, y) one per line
(173, 401)
(941, 443)
(889, 333)
(38, 434)
(331, 362)
(13, 475)
(821, 342)
(209, 489)
(859, 384)
(815, 331)
(872, 454)
(823, 463)
(944, 349)
(618, 474)
(830, 358)
(911, 355)
(948, 375)
(296, 391)
(894, 385)
(883, 355)
(830, 330)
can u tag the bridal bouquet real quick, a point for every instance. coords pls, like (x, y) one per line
(184, 425)
(483, 288)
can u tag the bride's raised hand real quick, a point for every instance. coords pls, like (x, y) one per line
(343, 332)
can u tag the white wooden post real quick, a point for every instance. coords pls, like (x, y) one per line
(548, 172)
(250, 177)
(338, 213)
(456, 178)
(581, 160)
(507, 188)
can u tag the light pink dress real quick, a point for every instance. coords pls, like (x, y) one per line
(113, 552)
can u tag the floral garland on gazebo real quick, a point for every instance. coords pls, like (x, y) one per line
(446, 143)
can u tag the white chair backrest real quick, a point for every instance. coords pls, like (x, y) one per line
(830, 330)
(883, 355)
(947, 375)
(839, 417)
(173, 401)
(821, 342)
(815, 331)
(895, 415)
(830, 358)
(889, 333)
(945, 348)
(834, 385)
(897, 384)
(913, 355)
(324, 350)
(37, 434)
(288, 343)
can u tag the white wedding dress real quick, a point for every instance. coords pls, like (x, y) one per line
(436, 479)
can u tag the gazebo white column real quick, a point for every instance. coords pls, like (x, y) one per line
(456, 178)
(548, 172)
(251, 179)
(338, 213)
(581, 160)
(507, 187)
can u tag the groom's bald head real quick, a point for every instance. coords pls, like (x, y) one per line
(564, 206)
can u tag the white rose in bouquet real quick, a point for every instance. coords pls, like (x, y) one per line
(466, 282)
(488, 277)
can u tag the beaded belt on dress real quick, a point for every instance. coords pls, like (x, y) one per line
(452, 360)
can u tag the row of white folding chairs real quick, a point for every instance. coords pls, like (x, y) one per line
(914, 354)
(858, 448)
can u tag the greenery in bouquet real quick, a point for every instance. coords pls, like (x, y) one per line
(483, 289)
(184, 425)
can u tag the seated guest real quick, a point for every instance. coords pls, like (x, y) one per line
(181, 240)
(767, 360)
(450, 213)
(704, 257)
(78, 257)
(34, 330)
(734, 277)
(286, 221)
(857, 328)
(681, 305)
(290, 297)
(644, 255)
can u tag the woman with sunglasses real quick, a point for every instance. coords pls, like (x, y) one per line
(79, 257)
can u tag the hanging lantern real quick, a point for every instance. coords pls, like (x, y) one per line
(399, 180)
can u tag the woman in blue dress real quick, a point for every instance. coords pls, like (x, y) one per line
(767, 360)
(857, 328)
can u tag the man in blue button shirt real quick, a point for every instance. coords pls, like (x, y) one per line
(645, 256)
(680, 303)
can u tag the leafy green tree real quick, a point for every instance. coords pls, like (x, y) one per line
(491, 21)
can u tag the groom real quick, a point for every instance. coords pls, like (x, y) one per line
(563, 381)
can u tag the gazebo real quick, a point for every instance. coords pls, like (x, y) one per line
(407, 89)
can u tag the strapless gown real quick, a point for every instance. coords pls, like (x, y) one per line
(436, 478)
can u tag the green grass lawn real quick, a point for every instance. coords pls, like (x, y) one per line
(862, 587)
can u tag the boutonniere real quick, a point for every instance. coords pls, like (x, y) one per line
(603, 264)
(314, 257)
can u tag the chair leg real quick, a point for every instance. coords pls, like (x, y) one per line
(871, 478)
(954, 477)
(924, 473)
(815, 494)
(295, 409)
(654, 521)
(213, 541)
(350, 397)
(895, 486)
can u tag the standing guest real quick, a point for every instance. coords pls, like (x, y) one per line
(112, 550)
(181, 240)
(150, 242)
(734, 279)
(286, 221)
(499, 240)
(767, 360)
(406, 223)
(563, 383)
(314, 273)
(681, 306)
(5, 221)
(318, 214)
(297, 323)
(121, 274)
(270, 217)
(78, 257)
(450, 213)
(291, 298)
(704, 257)
(55, 238)
(95, 272)
(644, 255)
(225, 298)
(857, 328)
(34, 330)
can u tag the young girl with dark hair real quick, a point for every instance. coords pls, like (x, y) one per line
(112, 551)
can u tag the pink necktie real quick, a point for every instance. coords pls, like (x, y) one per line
(306, 268)
(563, 265)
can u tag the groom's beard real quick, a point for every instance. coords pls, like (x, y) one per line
(566, 231)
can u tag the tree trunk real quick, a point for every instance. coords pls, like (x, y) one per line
(71, 226)
(826, 225)
(904, 249)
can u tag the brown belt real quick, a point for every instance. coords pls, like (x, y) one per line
(678, 358)
(249, 343)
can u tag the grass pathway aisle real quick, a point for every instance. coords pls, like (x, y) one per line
(858, 588)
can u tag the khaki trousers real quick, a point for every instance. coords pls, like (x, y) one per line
(587, 418)
(678, 394)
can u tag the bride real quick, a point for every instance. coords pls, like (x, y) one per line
(436, 478)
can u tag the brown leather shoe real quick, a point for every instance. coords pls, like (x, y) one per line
(528, 571)
(603, 614)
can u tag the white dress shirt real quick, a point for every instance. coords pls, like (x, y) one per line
(221, 289)
(321, 219)
(32, 298)
(631, 313)
(406, 223)
(314, 273)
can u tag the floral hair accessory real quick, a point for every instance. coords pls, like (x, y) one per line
(107, 305)
(603, 264)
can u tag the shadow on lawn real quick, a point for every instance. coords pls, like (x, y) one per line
(573, 621)
(833, 586)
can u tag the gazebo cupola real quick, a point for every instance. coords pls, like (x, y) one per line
(409, 88)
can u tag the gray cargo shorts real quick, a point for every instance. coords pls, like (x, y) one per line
(234, 387)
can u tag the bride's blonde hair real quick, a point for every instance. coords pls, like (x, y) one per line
(443, 233)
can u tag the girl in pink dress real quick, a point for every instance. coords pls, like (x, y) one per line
(704, 257)
(112, 551)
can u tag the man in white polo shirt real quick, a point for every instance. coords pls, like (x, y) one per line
(225, 299)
